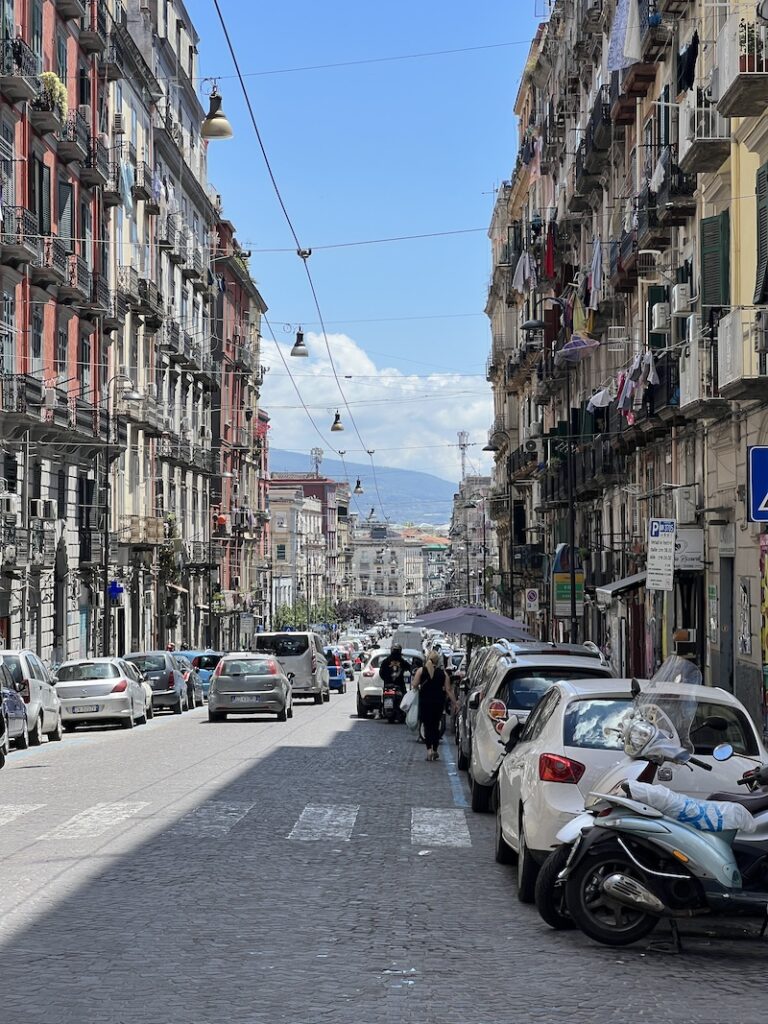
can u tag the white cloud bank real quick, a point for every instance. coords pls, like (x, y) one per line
(410, 421)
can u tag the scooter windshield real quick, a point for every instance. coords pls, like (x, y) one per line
(661, 720)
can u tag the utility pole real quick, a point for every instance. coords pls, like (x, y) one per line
(574, 632)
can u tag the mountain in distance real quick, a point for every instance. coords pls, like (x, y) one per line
(407, 495)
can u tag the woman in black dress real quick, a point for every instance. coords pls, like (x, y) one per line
(433, 686)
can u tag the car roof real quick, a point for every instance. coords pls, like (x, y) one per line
(241, 655)
(91, 661)
(553, 660)
(603, 687)
(143, 654)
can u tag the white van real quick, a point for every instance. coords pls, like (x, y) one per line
(303, 655)
(408, 637)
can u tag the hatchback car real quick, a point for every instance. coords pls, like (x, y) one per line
(567, 745)
(100, 690)
(165, 677)
(302, 655)
(337, 677)
(34, 684)
(141, 678)
(13, 716)
(246, 684)
(205, 662)
(369, 684)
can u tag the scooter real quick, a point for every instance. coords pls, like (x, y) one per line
(391, 698)
(654, 854)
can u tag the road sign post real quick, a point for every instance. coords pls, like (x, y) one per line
(757, 483)
(660, 565)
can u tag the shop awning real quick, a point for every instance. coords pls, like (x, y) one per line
(610, 591)
(177, 588)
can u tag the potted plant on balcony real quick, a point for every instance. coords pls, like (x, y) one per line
(751, 48)
(52, 96)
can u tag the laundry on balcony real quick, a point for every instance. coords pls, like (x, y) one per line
(600, 400)
(596, 273)
(686, 64)
(525, 278)
(127, 178)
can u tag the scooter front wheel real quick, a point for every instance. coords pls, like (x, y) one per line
(598, 915)
(548, 895)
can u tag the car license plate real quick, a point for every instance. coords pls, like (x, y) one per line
(388, 703)
(85, 709)
(248, 699)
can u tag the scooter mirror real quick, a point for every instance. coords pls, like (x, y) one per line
(722, 752)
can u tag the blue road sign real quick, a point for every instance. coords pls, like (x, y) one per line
(757, 475)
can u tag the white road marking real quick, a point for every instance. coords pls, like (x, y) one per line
(210, 820)
(431, 826)
(325, 821)
(96, 820)
(10, 812)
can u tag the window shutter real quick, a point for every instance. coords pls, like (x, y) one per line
(715, 261)
(33, 182)
(45, 200)
(761, 281)
(65, 214)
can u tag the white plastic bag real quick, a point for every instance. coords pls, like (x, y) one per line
(704, 815)
(407, 700)
(412, 717)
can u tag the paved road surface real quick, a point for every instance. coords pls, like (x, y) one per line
(313, 871)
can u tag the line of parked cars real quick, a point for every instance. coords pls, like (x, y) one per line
(560, 707)
(128, 690)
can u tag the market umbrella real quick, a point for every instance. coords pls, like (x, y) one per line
(475, 622)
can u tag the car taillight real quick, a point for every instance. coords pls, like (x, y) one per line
(171, 681)
(554, 768)
(23, 690)
(273, 668)
(120, 687)
(337, 660)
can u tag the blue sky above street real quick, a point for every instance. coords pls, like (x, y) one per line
(363, 152)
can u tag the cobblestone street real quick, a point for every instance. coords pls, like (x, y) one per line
(317, 870)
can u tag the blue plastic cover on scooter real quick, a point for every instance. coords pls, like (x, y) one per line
(704, 815)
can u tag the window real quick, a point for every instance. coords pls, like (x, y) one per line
(84, 87)
(83, 671)
(540, 716)
(65, 214)
(761, 190)
(283, 645)
(281, 552)
(8, 333)
(61, 56)
(36, 341)
(84, 367)
(62, 340)
(586, 722)
(36, 27)
(61, 493)
(40, 194)
(715, 261)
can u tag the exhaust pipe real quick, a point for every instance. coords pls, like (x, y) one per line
(631, 893)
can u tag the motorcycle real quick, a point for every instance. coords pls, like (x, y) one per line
(652, 854)
(391, 698)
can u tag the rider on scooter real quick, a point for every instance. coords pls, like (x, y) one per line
(393, 669)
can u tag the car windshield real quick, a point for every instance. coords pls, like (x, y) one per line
(522, 688)
(284, 645)
(87, 670)
(247, 667)
(586, 722)
(12, 663)
(207, 661)
(148, 662)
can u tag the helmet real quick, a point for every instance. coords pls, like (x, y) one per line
(397, 648)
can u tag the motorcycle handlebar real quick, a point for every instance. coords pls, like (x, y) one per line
(700, 764)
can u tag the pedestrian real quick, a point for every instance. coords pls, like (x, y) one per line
(433, 687)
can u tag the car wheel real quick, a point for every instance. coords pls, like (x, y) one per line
(549, 897)
(362, 710)
(527, 869)
(481, 796)
(462, 761)
(290, 710)
(178, 707)
(150, 710)
(5, 744)
(319, 698)
(216, 716)
(282, 716)
(128, 723)
(502, 851)
(23, 741)
(142, 719)
(326, 695)
(58, 732)
(36, 732)
(344, 688)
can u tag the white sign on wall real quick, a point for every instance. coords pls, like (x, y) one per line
(660, 567)
(531, 600)
(689, 549)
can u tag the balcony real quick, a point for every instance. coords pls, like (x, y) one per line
(19, 70)
(674, 7)
(529, 559)
(609, 464)
(128, 286)
(656, 37)
(70, 9)
(650, 233)
(699, 392)
(76, 288)
(91, 548)
(584, 483)
(705, 135)
(742, 67)
(94, 32)
(95, 169)
(142, 531)
(623, 104)
(100, 298)
(74, 139)
(112, 190)
(167, 234)
(171, 341)
(45, 114)
(637, 79)
(742, 355)
(142, 182)
(20, 393)
(19, 236)
(116, 312)
(623, 262)
(581, 183)
(83, 417)
(178, 253)
(591, 14)
(209, 371)
(244, 353)
(675, 200)
(598, 138)
(193, 264)
(113, 62)
(151, 305)
(50, 265)
(42, 543)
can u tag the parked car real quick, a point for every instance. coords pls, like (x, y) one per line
(195, 695)
(165, 677)
(34, 684)
(517, 682)
(141, 678)
(247, 684)
(337, 677)
(564, 748)
(369, 685)
(302, 654)
(99, 690)
(13, 716)
(205, 662)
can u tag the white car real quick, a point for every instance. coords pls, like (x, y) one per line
(517, 682)
(35, 686)
(369, 685)
(564, 749)
(145, 685)
(100, 690)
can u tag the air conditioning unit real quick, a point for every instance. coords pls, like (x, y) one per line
(9, 504)
(36, 508)
(532, 447)
(684, 500)
(50, 510)
(50, 398)
(536, 428)
(681, 300)
(660, 318)
(118, 125)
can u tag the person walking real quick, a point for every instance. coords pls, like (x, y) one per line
(433, 687)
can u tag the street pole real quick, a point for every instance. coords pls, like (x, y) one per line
(106, 614)
(485, 560)
(209, 629)
(511, 546)
(574, 637)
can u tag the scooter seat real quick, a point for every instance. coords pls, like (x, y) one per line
(753, 802)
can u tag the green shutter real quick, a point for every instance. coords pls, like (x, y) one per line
(656, 293)
(761, 192)
(715, 262)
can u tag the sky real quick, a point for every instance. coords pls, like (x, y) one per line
(370, 151)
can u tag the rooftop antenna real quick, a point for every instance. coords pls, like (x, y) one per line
(316, 455)
(463, 445)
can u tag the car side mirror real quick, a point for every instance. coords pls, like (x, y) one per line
(474, 702)
(510, 733)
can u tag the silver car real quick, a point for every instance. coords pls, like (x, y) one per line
(100, 690)
(247, 684)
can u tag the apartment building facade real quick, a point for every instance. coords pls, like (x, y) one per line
(627, 311)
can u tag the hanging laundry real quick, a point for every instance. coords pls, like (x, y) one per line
(686, 66)
(616, 59)
(525, 273)
(535, 167)
(636, 369)
(579, 317)
(600, 400)
(633, 42)
(157, 187)
(549, 251)
(127, 178)
(596, 273)
(659, 173)
(650, 368)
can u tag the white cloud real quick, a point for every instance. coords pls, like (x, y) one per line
(410, 421)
